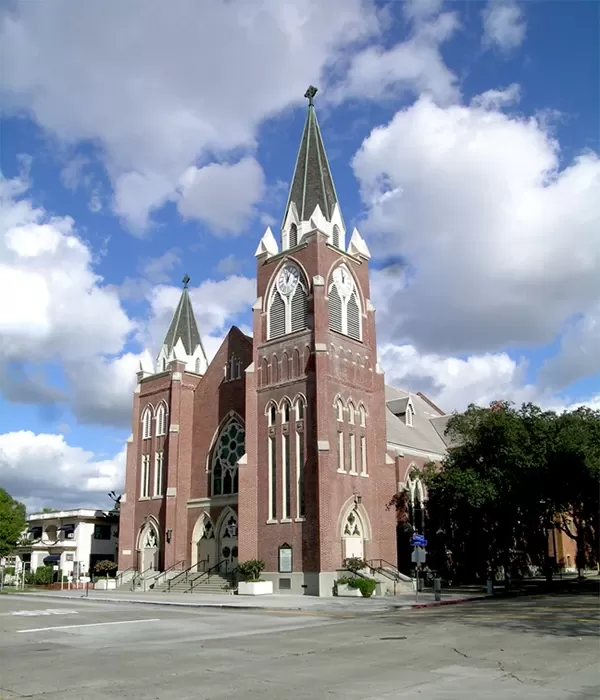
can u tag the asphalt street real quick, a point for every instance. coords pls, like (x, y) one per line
(527, 648)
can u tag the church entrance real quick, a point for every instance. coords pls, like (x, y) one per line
(353, 537)
(149, 548)
(228, 543)
(206, 545)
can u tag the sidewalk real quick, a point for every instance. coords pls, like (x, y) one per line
(331, 605)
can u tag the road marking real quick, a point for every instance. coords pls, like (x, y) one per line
(39, 613)
(309, 613)
(90, 624)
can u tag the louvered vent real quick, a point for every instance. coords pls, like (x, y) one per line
(299, 309)
(336, 236)
(277, 317)
(353, 318)
(293, 236)
(335, 310)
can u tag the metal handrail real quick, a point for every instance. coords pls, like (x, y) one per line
(120, 576)
(208, 574)
(140, 576)
(166, 571)
(386, 568)
(185, 574)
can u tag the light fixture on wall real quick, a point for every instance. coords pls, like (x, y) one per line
(169, 535)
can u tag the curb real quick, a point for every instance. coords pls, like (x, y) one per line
(437, 603)
(230, 606)
(139, 601)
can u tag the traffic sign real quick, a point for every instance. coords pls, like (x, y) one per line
(418, 541)
(419, 556)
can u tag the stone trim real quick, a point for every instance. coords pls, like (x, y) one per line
(323, 445)
(171, 491)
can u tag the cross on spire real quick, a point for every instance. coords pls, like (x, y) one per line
(186, 281)
(310, 94)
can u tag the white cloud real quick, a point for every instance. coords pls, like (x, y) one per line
(453, 383)
(162, 86)
(59, 310)
(222, 195)
(502, 245)
(44, 470)
(415, 65)
(496, 99)
(504, 26)
(579, 355)
(59, 306)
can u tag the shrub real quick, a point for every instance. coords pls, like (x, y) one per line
(365, 585)
(355, 564)
(251, 569)
(105, 567)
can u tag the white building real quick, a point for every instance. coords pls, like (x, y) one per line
(72, 540)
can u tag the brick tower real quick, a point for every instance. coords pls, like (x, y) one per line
(316, 477)
(153, 522)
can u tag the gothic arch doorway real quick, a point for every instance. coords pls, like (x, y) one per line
(353, 536)
(228, 541)
(204, 544)
(149, 547)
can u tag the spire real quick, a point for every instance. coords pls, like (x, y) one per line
(183, 335)
(312, 183)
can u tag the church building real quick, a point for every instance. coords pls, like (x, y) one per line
(287, 446)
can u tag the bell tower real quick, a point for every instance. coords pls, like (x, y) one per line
(316, 480)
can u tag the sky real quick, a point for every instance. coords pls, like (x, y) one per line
(144, 140)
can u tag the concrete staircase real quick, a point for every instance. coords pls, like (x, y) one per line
(198, 583)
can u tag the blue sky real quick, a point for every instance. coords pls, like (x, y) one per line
(139, 146)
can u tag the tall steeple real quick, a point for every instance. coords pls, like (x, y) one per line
(312, 201)
(183, 341)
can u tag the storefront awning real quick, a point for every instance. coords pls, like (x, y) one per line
(66, 528)
(52, 559)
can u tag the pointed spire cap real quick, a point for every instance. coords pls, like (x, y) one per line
(358, 245)
(312, 183)
(183, 326)
(268, 244)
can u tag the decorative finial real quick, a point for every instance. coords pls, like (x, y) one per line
(186, 281)
(310, 93)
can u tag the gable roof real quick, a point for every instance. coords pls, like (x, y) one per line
(427, 430)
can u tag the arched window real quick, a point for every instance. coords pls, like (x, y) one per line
(265, 371)
(197, 366)
(344, 304)
(299, 408)
(416, 509)
(362, 416)
(339, 409)
(147, 423)
(272, 414)
(285, 412)
(161, 420)
(293, 236)
(288, 304)
(228, 449)
(351, 412)
(335, 239)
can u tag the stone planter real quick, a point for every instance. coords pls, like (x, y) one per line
(255, 587)
(105, 584)
(344, 591)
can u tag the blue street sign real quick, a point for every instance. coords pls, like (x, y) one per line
(418, 541)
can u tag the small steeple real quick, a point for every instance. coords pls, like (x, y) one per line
(183, 341)
(312, 185)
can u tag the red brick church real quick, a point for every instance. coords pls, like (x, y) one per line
(287, 446)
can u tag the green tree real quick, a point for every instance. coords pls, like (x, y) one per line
(574, 476)
(12, 522)
(502, 485)
(106, 567)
